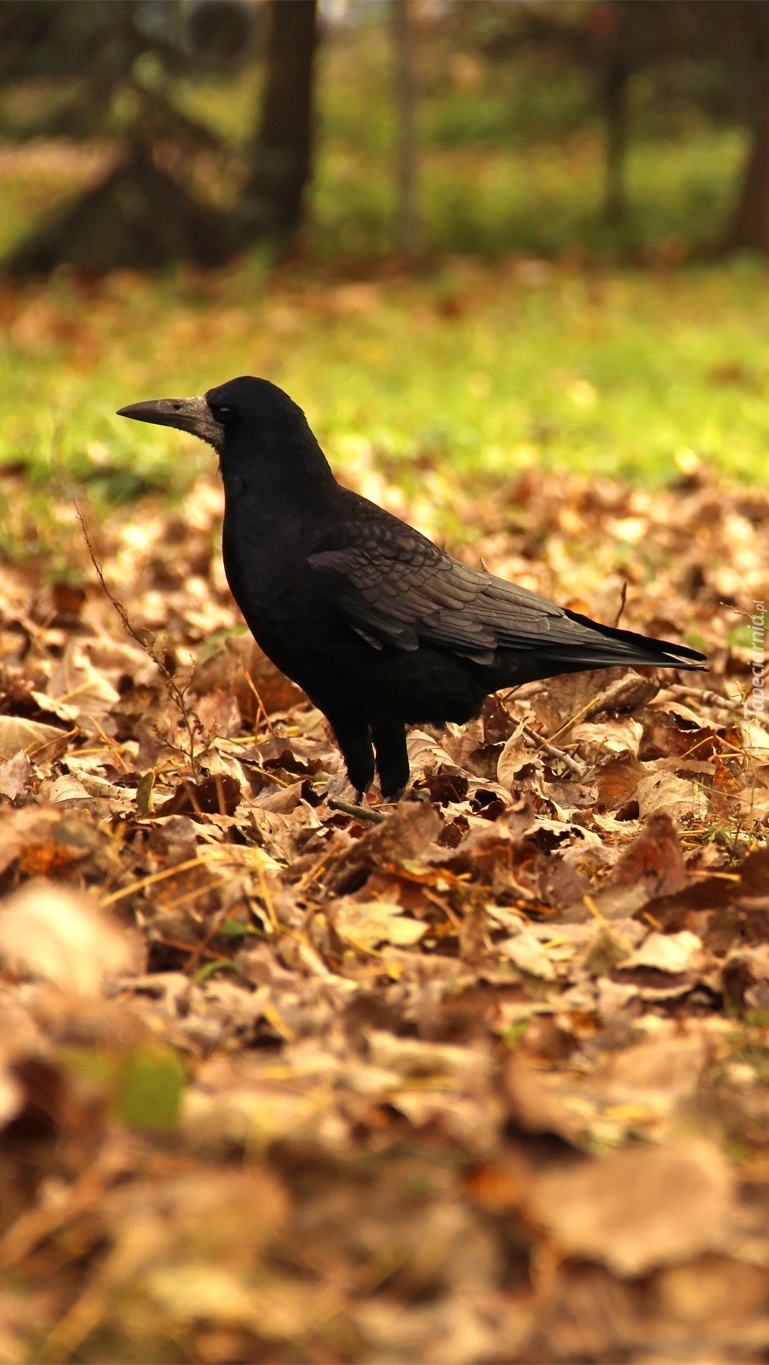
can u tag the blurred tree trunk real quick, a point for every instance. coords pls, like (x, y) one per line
(749, 227)
(608, 31)
(409, 234)
(272, 202)
(615, 108)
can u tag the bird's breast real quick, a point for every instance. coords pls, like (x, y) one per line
(265, 561)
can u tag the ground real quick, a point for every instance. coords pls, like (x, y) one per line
(480, 1077)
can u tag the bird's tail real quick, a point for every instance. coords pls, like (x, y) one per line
(596, 646)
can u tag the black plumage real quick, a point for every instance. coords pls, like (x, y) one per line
(380, 627)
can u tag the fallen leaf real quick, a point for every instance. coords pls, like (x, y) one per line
(49, 932)
(217, 795)
(366, 925)
(667, 952)
(16, 776)
(640, 1207)
(27, 736)
(654, 859)
(527, 953)
(665, 794)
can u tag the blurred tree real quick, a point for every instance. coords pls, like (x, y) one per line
(106, 71)
(614, 67)
(749, 226)
(107, 63)
(110, 65)
(281, 161)
(607, 40)
(585, 34)
(409, 234)
(706, 54)
(219, 35)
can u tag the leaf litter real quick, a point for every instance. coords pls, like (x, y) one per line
(483, 1076)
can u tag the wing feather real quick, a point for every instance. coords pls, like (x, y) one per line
(402, 589)
(394, 588)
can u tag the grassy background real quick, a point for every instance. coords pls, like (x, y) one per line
(529, 338)
(483, 367)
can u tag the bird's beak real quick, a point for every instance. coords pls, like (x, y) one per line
(188, 414)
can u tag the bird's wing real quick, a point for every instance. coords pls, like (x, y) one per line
(402, 591)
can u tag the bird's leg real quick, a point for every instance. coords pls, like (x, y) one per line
(392, 760)
(353, 738)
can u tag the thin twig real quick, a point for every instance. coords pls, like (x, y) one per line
(190, 719)
(522, 693)
(709, 697)
(622, 601)
(260, 706)
(266, 895)
(362, 812)
(618, 938)
(578, 715)
(312, 874)
(578, 769)
(142, 882)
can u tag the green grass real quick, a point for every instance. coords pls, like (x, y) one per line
(478, 371)
(543, 198)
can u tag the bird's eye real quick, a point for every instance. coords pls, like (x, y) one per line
(223, 414)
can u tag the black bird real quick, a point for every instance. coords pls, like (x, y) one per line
(378, 626)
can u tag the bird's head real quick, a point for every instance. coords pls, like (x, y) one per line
(246, 413)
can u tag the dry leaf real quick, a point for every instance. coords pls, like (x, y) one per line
(665, 794)
(667, 952)
(16, 776)
(26, 736)
(526, 951)
(367, 925)
(49, 932)
(639, 1208)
